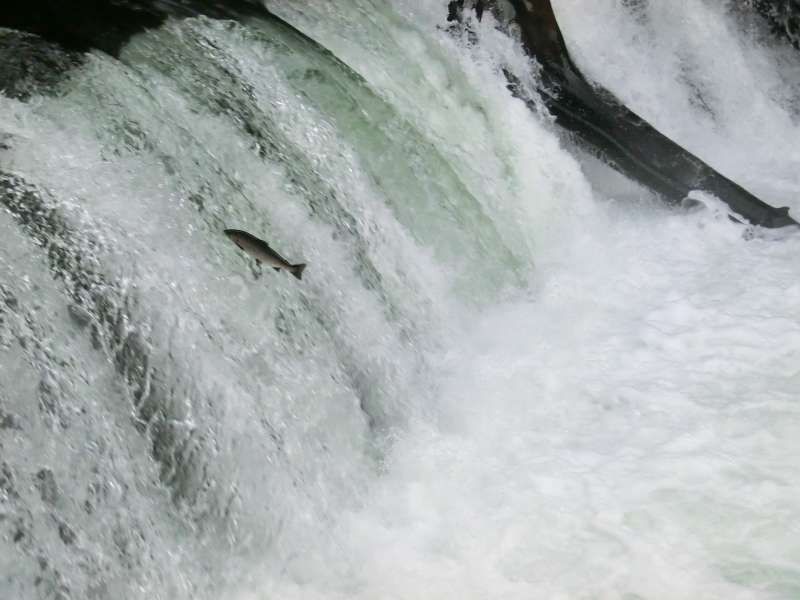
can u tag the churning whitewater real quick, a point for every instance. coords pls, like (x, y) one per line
(508, 372)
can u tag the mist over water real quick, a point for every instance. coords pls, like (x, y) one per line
(507, 372)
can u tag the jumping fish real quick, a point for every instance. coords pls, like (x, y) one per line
(260, 250)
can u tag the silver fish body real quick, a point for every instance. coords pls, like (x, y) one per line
(260, 250)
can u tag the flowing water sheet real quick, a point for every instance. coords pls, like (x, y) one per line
(506, 373)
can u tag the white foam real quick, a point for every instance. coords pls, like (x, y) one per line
(627, 431)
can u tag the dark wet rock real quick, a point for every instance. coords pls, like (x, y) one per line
(19, 531)
(79, 26)
(66, 533)
(198, 200)
(7, 482)
(23, 341)
(609, 129)
(30, 65)
(97, 338)
(455, 10)
(15, 523)
(783, 17)
(107, 25)
(45, 482)
(9, 421)
(11, 301)
(42, 562)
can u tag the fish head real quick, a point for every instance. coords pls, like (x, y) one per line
(235, 236)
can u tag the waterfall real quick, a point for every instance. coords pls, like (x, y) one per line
(508, 371)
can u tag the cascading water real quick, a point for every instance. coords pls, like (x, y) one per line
(507, 372)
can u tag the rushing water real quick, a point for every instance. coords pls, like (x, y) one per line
(507, 372)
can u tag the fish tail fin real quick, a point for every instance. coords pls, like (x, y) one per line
(297, 270)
